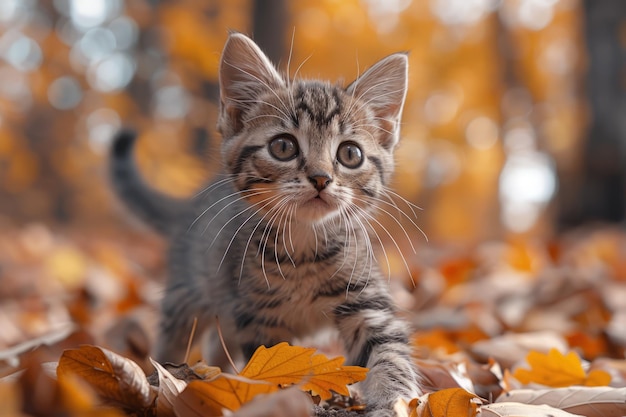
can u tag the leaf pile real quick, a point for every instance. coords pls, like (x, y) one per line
(506, 328)
(183, 391)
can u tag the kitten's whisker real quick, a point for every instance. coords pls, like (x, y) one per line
(252, 234)
(214, 185)
(411, 205)
(352, 100)
(351, 231)
(267, 201)
(239, 198)
(389, 194)
(288, 77)
(295, 76)
(282, 111)
(370, 251)
(361, 127)
(260, 116)
(270, 224)
(365, 213)
(283, 217)
(235, 193)
(260, 81)
(406, 234)
(290, 212)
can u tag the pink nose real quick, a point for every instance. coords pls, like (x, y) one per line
(320, 181)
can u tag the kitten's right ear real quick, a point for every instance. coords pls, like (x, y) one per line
(245, 71)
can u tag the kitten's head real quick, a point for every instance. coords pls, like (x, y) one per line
(310, 148)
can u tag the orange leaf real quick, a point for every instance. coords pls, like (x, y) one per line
(557, 370)
(287, 365)
(210, 398)
(451, 402)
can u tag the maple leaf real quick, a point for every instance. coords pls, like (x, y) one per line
(228, 392)
(557, 370)
(286, 365)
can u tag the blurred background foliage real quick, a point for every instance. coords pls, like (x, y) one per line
(514, 122)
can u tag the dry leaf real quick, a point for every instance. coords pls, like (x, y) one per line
(522, 410)
(290, 402)
(588, 401)
(511, 348)
(169, 388)
(451, 402)
(557, 370)
(287, 365)
(113, 377)
(226, 392)
(447, 374)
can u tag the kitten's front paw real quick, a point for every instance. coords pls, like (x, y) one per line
(400, 408)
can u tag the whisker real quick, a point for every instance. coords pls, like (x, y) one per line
(260, 81)
(372, 218)
(406, 234)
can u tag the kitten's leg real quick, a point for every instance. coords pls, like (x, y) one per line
(180, 308)
(376, 339)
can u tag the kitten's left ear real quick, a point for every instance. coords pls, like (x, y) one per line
(383, 87)
(245, 71)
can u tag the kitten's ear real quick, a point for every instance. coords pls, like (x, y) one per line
(383, 87)
(245, 71)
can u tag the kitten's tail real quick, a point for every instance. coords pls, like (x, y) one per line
(153, 207)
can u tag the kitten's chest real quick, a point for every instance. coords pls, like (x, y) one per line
(296, 296)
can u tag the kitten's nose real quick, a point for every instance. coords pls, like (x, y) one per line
(320, 181)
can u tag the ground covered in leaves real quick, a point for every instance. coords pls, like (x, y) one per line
(516, 327)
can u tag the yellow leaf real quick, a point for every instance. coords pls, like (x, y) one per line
(210, 398)
(287, 365)
(68, 266)
(557, 370)
(113, 377)
(597, 378)
(451, 402)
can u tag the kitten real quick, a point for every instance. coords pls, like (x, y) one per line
(278, 246)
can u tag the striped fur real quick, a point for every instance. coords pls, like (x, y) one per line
(278, 246)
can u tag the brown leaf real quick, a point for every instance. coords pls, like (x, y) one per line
(290, 402)
(113, 377)
(169, 388)
(518, 410)
(588, 401)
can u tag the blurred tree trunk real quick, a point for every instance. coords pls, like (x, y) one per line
(599, 193)
(269, 24)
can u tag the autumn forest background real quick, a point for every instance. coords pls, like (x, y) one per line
(513, 146)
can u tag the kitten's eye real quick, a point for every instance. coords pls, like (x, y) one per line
(284, 147)
(350, 155)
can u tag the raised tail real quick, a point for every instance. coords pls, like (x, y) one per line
(156, 209)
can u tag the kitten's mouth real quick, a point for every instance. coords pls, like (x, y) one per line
(317, 207)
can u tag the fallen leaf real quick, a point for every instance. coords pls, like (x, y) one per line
(113, 377)
(557, 370)
(287, 365)
(588, 401)
(451, 402)
(290, 402)
(210, 398)
(447, 374)
(169, 388)
(522, 410)
(511, 348)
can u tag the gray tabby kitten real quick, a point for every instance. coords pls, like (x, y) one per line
(278, 247)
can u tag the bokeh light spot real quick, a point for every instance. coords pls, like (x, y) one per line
(65, 93)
